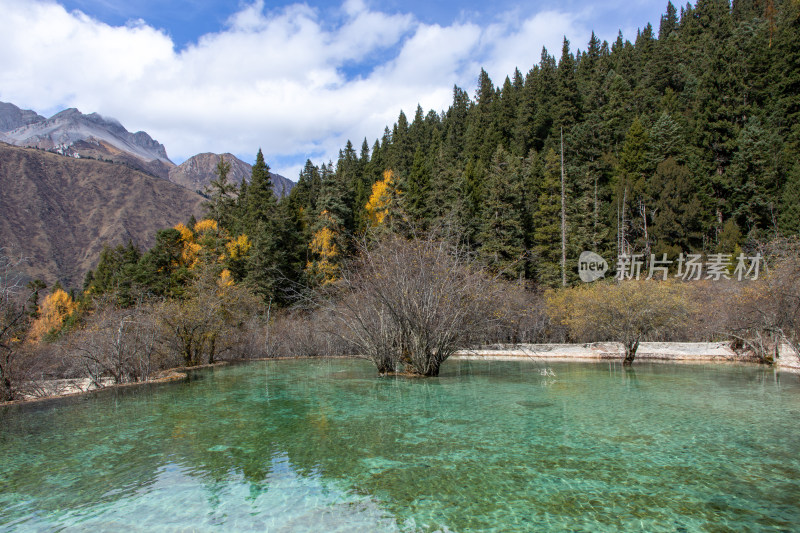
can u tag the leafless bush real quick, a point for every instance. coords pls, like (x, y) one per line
(207, 324)
(303, 333)
(14, 324)
(516, 315)
(118, 343)
(765, 313)
(412, 303)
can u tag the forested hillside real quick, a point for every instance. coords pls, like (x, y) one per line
(685, 139)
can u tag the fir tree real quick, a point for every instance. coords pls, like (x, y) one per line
(546, 248)
(221, 193)
(261, 201)
(415, 197)
(502, 229)
(790, 203)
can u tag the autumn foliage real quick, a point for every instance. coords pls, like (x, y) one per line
(326, 251)
(380, 202)
(53, 311)
(206, 243)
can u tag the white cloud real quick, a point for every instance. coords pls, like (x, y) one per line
(270, 79)
(522, 48)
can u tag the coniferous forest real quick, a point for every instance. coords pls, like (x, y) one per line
(684, 139)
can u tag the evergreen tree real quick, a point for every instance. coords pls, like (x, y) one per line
(502, 228)
(630, 190)
(415, 197)
(261, 201)
(790, 203)
(568, 107)
(546, 249)
(669, 23)
(753, 178)
(162, 271)
(483, 135)
(677, 220)
(221, 193)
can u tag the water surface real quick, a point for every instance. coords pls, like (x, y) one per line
(325, 445)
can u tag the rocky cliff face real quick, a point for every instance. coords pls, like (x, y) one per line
(12, 117)
(196, 173)
(75, 134)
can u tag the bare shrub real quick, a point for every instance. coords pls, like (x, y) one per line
(118, 343)
(710, 311)
(516, 315)
(206, 324)
(14, 325)
(412, 303)
(765, 313)
(300, 333)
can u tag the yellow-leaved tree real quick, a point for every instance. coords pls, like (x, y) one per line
(207, 244)
(53, 311)
(382, 199)
(326, 251)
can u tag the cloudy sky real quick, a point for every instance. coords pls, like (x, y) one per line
(295, 79)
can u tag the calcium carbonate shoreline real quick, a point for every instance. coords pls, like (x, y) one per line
(674, 352)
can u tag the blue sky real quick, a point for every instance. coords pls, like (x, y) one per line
(296, 79)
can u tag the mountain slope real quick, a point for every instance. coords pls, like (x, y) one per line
(197, 172)
(73, 133)
(57, 212)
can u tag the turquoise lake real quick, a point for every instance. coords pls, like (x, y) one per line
(326, 445)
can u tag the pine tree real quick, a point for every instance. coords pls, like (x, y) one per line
(501, 236)
(790, 203)
(665, 140)
(261, 200)
(416, 196)
(546, 238)
(482, 135)
(669, 23)
(677, 221)
(221, 193)
(633, 167)
(568, 106)
(162, 271)
(753, 178)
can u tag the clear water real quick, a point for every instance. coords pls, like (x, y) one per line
(325, 445)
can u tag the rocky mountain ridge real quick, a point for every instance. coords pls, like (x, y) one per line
(75, 134)
(12, 117)
(197, 172)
